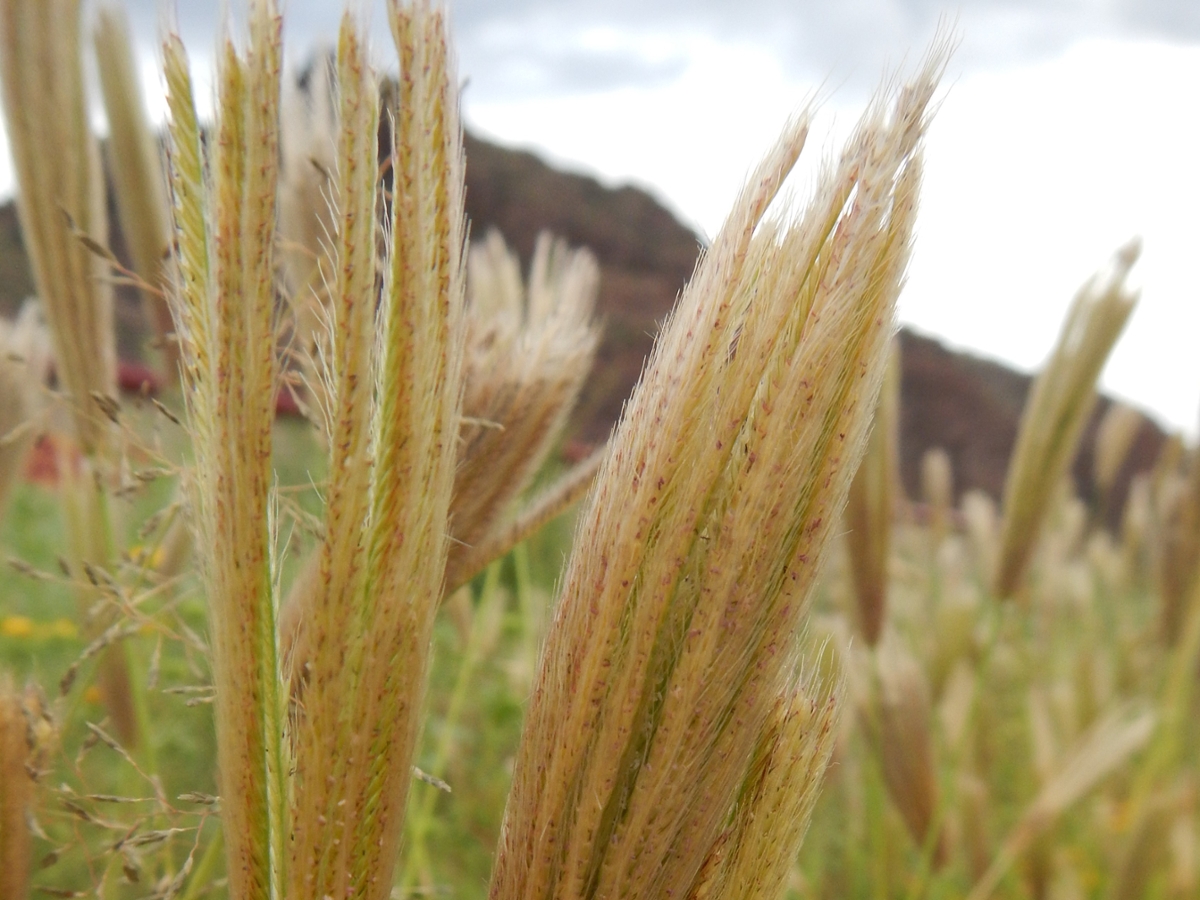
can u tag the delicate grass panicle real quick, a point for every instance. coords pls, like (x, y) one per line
(136, 168)
(392, 377)
(679, 619)
(60, 196)
(1056, 412)
(24, 361)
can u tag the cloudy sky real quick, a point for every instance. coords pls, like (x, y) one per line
(1067, 127)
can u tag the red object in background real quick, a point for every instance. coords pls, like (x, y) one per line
(137, 378)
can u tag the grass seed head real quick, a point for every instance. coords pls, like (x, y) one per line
(682, 602)
(60, 197)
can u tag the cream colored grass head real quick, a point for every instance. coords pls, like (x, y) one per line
(139, 180)
(1058, 407)
(529, 349)
(60, 195)
(899, 720)
(224, 192)
(679, 616)
(871, 507)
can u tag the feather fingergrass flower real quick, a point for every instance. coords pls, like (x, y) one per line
(139, 181)
(1059, 403)
(313, 804)
(871, 506)
(678, 622)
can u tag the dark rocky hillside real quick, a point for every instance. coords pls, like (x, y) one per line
(966, 405)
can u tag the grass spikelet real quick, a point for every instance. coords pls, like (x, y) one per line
(678, 619)
(529, 349)
(871, 507)
(1057, 409)
(396, 408)
(60, 194)
(225, 222)
(754, 857)
(135, 164)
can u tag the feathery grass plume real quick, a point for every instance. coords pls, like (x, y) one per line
(693, 560)
(224, 306)
(395, 416)
(24, 364)
(60, 194)
(16, 793)
(754, 856)
(60, 200)
(871, 506)
(899, 721)
(1057, 409)
(136, 167)
(529, 349)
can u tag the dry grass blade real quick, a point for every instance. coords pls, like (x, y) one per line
(1056, 411)
(681, 604)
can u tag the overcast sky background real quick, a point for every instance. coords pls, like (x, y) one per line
(1067, 127)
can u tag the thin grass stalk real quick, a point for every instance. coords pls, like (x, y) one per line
(693, 559)
(136, 168)
(1059, 403)
(224, 224)
(392, 468)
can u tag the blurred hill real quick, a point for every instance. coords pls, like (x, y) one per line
(966, 405)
